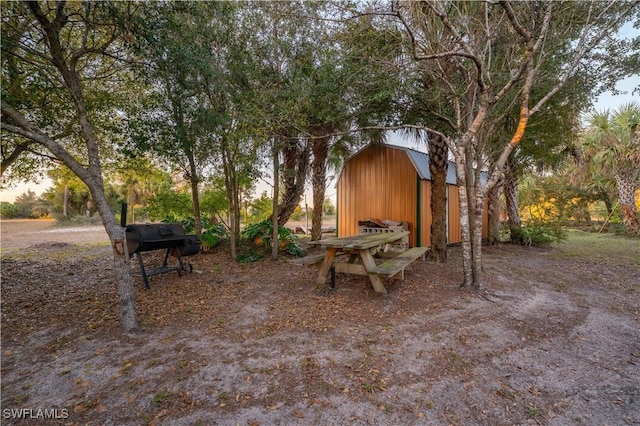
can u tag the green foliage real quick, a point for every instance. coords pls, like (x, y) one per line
(212, 233)
(547, 204)
(553, 199)
(170, 206)
(213, 201)
(260, 234)
(538, 234)
(611, 148)
(260, 208)
(299, 213)
(213, 236)
(8, 210)
(79, 220)
(78, 196)
(328, 208)
(159, 398)
(30, 206)
(248, 258)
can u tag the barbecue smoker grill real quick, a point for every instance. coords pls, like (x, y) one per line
(161, 236)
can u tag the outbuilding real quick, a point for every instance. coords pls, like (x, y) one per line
(391, 182)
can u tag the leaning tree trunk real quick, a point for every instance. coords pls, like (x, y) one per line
(626, 185)
(438, 169)
(320, 151)
(121, 262)
(295, 166)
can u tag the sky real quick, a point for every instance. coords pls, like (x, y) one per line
(605, 101)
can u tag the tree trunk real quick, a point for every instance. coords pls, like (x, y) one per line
(470, 183)
(626, 185)
(438, 168)
(467, 255)
(230, 183)
(477, 213)
(121, 260)
(318, 182)
(65, 201)
(276, 190)
(493, 204)
(511, 200)
(320, 151)
(194, 180)
(607, 202)
(295, 165)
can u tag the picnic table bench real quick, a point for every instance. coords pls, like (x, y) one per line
(310, 260)
(397, 264)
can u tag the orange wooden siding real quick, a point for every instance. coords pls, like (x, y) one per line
(453, 212)
(425, 213)
(379, 183)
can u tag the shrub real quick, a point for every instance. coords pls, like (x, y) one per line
(8, 210)
(260, 234)
(213, 235)
(538, 234)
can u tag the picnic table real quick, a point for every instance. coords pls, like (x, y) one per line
(360, 250)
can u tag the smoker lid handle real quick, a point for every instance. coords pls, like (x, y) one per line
(164, 232)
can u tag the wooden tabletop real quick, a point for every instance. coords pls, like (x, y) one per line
(362, 241)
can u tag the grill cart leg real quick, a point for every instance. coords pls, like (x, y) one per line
(166, 256)
(184, 267)
(143, 272)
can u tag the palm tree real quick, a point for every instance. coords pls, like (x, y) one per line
(613, 144)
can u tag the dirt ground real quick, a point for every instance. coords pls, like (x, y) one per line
(259, 344)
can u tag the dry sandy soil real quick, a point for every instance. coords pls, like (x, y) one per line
(259, 344)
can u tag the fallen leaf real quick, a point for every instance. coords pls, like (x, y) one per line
(162, 413)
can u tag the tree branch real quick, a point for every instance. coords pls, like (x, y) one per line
(25, 128)
(469, 53)
(524, 33)
(11, 158)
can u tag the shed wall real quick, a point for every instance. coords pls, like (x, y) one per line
(453, 220)
(425, 213)
(379, 183)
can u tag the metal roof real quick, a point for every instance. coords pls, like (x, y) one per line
(420, 161)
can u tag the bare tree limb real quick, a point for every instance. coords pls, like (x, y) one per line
(25, 128)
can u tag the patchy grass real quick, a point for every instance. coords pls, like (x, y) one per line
(602, 248)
